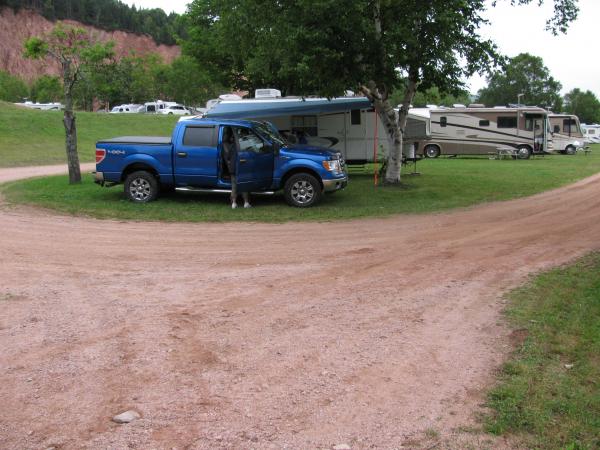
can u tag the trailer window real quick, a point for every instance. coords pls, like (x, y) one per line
(306, 124)
(591, 131)
(443, 121)
(484, 123)
(198, 137)
(355, 117)
(507, 122)
(557, 128)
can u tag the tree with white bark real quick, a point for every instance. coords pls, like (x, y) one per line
(74, 49)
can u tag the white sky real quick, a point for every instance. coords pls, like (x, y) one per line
(572, 58)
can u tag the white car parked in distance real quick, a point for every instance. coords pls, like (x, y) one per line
(179, 110)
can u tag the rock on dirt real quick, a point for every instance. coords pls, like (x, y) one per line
(126, 417)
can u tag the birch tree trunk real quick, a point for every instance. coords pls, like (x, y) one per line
(389, 121)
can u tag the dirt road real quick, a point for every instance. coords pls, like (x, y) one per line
(371, 333)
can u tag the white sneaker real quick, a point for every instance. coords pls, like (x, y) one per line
(247, 205)
(233, 205)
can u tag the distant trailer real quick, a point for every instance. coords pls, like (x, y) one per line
(481, 131)
(591, 133)
(567, 136)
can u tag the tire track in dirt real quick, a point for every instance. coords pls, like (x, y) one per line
(259, 335)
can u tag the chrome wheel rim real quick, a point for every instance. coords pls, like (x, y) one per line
(523, 153)
(431, 152)
(140, 189)
(303, 192)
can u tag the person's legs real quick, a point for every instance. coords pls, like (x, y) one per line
(233, 191)
(246, 197)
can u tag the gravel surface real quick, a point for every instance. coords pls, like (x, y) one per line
(380, 333)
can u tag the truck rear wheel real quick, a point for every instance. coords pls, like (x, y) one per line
(141, 187)
(302, 190)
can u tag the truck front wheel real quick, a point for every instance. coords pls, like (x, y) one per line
(141, 186)
(302, 190)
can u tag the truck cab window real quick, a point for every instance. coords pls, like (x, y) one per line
(198, 137)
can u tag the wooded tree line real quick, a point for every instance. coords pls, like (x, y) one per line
(109, 15)
(133, 79)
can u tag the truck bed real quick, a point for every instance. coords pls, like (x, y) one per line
(146, 140)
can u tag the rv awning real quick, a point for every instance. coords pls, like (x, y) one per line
(254, 109)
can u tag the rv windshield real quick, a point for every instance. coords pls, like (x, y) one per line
(268, 130)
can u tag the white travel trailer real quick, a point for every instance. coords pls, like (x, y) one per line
(567, 136)
(347, 124)
(477, 130)
(591, 133)
(53, 106)
(127, 109)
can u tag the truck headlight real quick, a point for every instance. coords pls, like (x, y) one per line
(332, 166)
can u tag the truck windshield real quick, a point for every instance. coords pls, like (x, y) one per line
(267, 130)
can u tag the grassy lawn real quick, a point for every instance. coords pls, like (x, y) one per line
(548, 396)
(443, 184)
(34, 138)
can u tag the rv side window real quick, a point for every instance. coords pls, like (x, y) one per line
(355, 117)
(443, 121)
(557, 128)
(198, 136)
(591, 132)
(484, 123)
(569, 125)
(507, 122)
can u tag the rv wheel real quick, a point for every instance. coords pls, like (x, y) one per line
(570, 150)
(523, 152)
(432, 151)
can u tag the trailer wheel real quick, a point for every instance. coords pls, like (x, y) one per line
(141, 187)
(523, 152)
(302, 190)
(432, 151)
(570, 150)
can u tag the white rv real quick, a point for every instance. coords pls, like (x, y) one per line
(130, 108)
(591, 133)
(567, 136)
(348, 124)
(477, 130)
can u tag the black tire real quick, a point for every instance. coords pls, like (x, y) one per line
(570, 150)
(523, 152)
(431, 151)
(141, 187)
(302, 190)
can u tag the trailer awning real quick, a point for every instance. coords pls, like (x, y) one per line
(254, 109)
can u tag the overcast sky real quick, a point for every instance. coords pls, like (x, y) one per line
(572, 58)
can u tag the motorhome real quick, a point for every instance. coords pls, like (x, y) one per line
(477, 130)
(591, 133)
(348, 124)
(567, 136)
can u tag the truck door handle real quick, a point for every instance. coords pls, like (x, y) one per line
(181, 154)
(242, 161)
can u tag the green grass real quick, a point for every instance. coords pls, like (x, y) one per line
(34, 138)
(548, 396)
(443, 184)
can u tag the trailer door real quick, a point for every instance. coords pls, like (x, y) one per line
(333, 125)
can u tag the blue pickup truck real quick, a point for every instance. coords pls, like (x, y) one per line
(192, 160)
